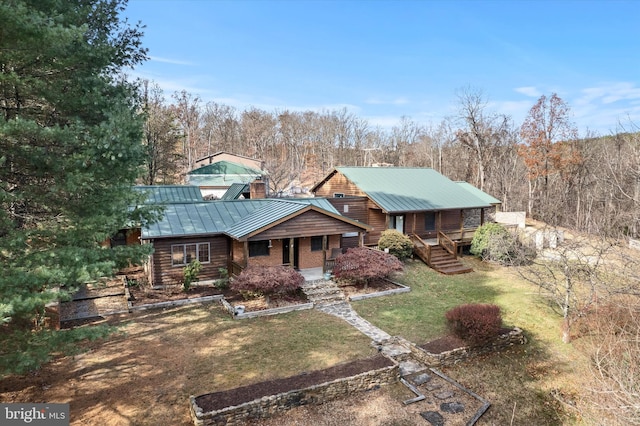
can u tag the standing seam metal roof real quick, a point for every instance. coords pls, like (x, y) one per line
(407, 189)
(168, 194)
(236, 218)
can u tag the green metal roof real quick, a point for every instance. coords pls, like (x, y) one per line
(170, 194)
(479, 193)
(235, 191)
(237, 218)
(406, 189)
(225, 168)
(222, 174)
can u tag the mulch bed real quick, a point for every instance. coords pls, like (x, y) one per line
(145, 296)
(449, 343)
(260, 303)
(220, 400)
(373, 286)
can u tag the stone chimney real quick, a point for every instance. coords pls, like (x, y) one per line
(258, 189)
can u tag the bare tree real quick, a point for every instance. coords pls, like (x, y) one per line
(613, 346)
(571, 277)
(187, 111)
(481, 131)
(220, 129)
(161, 137)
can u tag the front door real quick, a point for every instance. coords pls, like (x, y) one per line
(290, 252)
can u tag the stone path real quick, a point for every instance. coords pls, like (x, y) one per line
(345, 311)
(328, 298)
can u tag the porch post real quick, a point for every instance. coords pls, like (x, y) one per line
(481, 216)
(292, 252)
(324, 253)
(245, 249)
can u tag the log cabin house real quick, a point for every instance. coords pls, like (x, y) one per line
(235, 234)
(440, 215)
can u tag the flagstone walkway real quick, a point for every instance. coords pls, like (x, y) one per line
(426, 383)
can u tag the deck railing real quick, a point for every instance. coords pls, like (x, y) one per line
(235, 269)
(447, 243)
(422, 247)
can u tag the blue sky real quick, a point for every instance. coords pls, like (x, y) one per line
(383, 60)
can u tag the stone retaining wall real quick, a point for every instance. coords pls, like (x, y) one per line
(270, 405)
(514, 337)
(401, 289)
(241, 314)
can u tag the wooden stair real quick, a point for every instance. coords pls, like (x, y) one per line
(446, 263)
(438, 258)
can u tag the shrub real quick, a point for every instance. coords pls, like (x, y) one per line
(494, 242)
(190, 274)
(267, 281)
(475, 323)
(362, 264)
(222, 282)
(398, 244)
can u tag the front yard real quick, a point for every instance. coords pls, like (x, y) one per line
(145, 374)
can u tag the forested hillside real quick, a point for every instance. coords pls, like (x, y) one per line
(543, 166)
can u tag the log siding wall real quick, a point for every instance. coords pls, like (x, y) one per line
(162, 273)
(338, 184)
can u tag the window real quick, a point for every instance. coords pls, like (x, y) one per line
(120, 239)
(258, 248)
(316, 243)
(430, 221)
(338, 195)
(183, 254)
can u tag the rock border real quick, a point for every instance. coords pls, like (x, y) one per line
(403, 289)
(240, 314)
(172, 303)
(514, 337)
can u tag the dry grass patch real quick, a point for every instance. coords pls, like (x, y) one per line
(145, 374)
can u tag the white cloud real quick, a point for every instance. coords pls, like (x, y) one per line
(611, 92)
(170, 61)
(402, 100)
(530, 91)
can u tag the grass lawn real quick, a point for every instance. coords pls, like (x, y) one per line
(145, 374)
(534, 384)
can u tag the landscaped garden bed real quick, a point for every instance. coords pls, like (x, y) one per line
(261, 400)
(145, 296)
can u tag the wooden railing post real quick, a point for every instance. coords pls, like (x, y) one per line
(448, 244)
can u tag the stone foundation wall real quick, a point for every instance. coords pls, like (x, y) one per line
(270, 405)
(514, 337)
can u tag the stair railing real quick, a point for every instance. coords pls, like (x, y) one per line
(448, 244)
(425, 249)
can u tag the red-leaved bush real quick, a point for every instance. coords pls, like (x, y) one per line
(267, 280)
(361, 264)
(475, 323)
